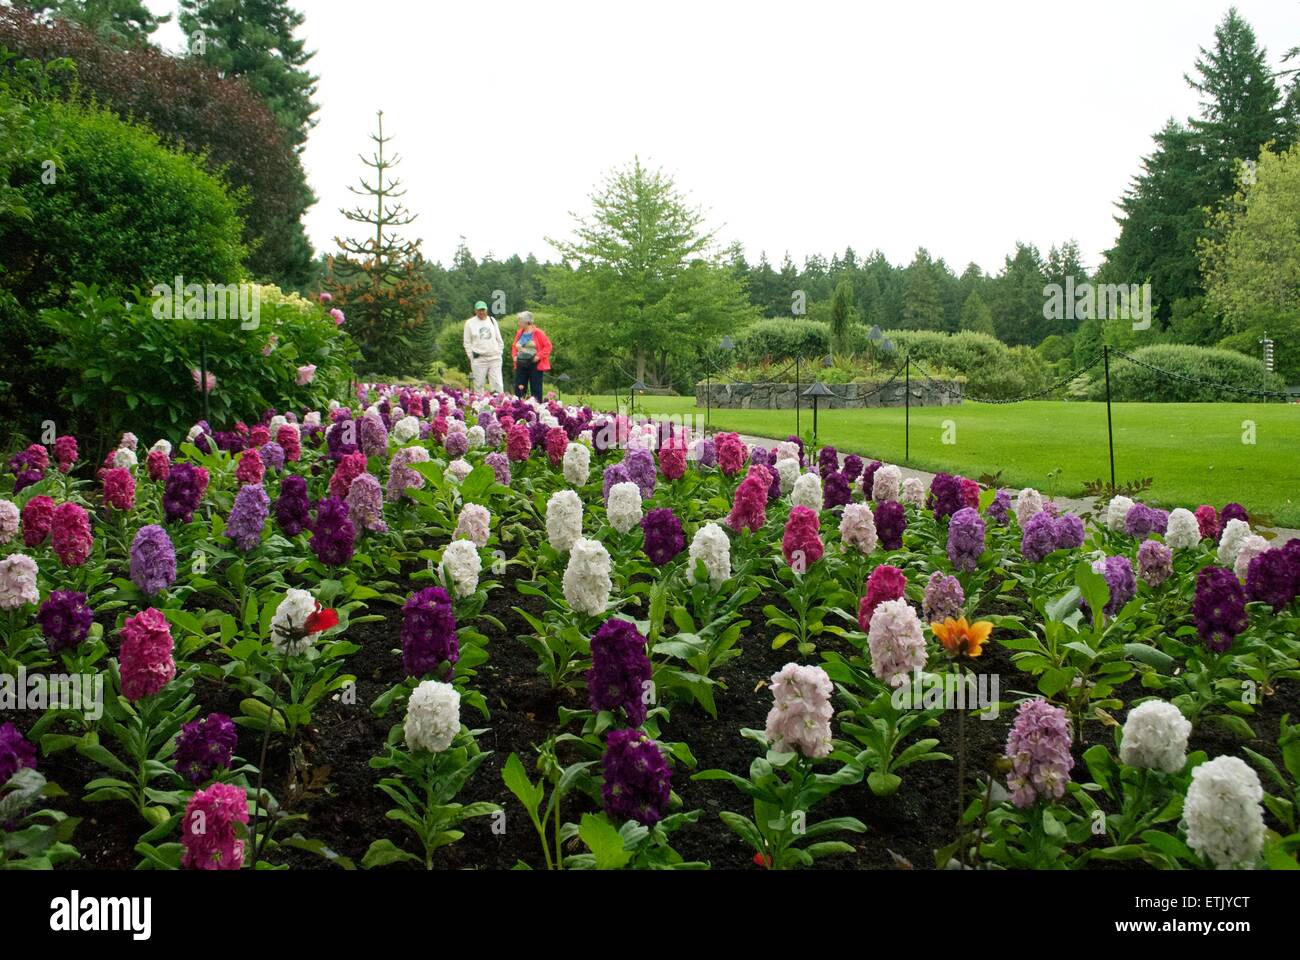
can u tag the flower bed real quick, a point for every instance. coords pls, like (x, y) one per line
(443, 630)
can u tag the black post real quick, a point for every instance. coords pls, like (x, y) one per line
(907, 414)
(203, 374)
(796, 397)
(708, 400)
(1110, 430)
(814, 421)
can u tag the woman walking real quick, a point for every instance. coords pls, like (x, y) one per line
(531, 353)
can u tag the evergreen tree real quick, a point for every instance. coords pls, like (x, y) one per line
(379, 281)
(842, 317)
(256, 40)
(922, 305)
(1017, 297)
(976, 316)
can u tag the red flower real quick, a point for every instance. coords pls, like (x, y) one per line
(322, 619)
(763, 860)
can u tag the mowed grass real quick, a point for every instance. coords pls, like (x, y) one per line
(1195, 452)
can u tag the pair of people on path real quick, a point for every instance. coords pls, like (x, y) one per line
(530, 353)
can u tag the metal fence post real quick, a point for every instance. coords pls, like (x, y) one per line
(1110, 430)
(907, 415)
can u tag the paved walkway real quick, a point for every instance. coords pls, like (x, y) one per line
(1065, 503)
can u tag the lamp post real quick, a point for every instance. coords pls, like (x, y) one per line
(817, 391)
(563, 379)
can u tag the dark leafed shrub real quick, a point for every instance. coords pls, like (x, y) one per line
(1225, 374)
(771, 341)
(191, 106)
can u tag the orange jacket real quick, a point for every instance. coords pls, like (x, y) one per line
(540, 341)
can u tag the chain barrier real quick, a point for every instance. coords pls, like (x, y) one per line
(1219, 384)
(959, 395)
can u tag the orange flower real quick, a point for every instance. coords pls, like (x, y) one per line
(961, 638)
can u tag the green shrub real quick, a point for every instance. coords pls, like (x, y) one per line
(992, 370)
(782, 340)
(1131, 382)
(128, 368)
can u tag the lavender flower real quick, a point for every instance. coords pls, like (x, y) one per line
(640, 467)
(1039, 751)
(153, 560)
(1121, 580)
(1038, 538)
(965, 539)
(1155, 562)
(500, 465)
(999, 511)
(944, 598)
(247, 516)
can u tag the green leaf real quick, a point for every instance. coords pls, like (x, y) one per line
(605, 843)
(384, 852)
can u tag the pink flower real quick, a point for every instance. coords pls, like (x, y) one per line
(885, 583)
(557, 441)
(289, 438)
(672, 461)
(198, 386)
(350, 467)
(732, 453)
(250, 469)
(306, 374)
(119, 488)
(802, 544)
(1207, 518)
(326, 297)
(970, 493)
(749, 511)
(71, 534)
(519, 443)
(896, 641)
(145, 659)
(208, 830)
(800, 718)
(65, 452)
(159, 465)
(337, 314)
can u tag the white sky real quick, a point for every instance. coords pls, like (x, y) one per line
(802, 126)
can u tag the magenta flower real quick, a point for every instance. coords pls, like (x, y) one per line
(802, 543)
(119, 489)
(749, 510)
(884, 583)
(208, 830)
(145, 659)
(70, 533)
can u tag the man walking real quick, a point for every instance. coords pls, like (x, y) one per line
(484, 346)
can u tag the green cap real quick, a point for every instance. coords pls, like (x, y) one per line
(480, 305)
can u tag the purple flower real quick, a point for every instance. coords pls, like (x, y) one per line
(664, 537)
(638, 781)
(16, 752)
(614, 473)
(852, 467)
(640, 467)
(891, 521)
(205, 746)
(1038, 538)
(429, 636)
(1039, 750)
(708, 453)
(333, 535)
(1155, 562)
(999, 511)
(273, 456)
(828, 461)
(836, 491)
(945, 495)
(366, 504)
(65, 620)
(1233, 511)
(500, 465)
(869, 477)
(247, 516)
(292, 507)
(1068, 531)
(944, 598)
(1272, 577)
(1121, 581)
(456, 443)
(182, 492)
(620, 670)
(965, 539)
(1141, 521)
(153, 560)
(374, 436)
(1219, 608)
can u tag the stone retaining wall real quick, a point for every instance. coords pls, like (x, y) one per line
(781, 396)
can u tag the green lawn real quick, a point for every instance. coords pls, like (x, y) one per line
(1194, 451)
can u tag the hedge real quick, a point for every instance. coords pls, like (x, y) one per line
(1221, 371)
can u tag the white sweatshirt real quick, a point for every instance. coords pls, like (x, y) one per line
(483, 337)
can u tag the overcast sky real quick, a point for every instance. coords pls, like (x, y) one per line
(803, 126)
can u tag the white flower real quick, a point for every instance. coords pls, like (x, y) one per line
(546, 418)
(896, 641)
(456, 425)
(461, 565)
(807, 492)
(289, 624)
(858, 528)
(166, 447)
(787, 450)
(711, 545)
(624, 510)
(406, 429)
(886, 483)
(586, 578)
(194, 433)
(577, 464)
(1230, 541)
(124, 458)
(459, 469)
(563, 520)
(1183, 531)
(1028, 503)
(788, 472)
(1251, 547)
(914, 491)
(474, 524)
(18, 581)
(312, 419)
(432, 717)
(1155, 736)
(334, 405)
(477, 436)
(1117, 513)
(1222, 813)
